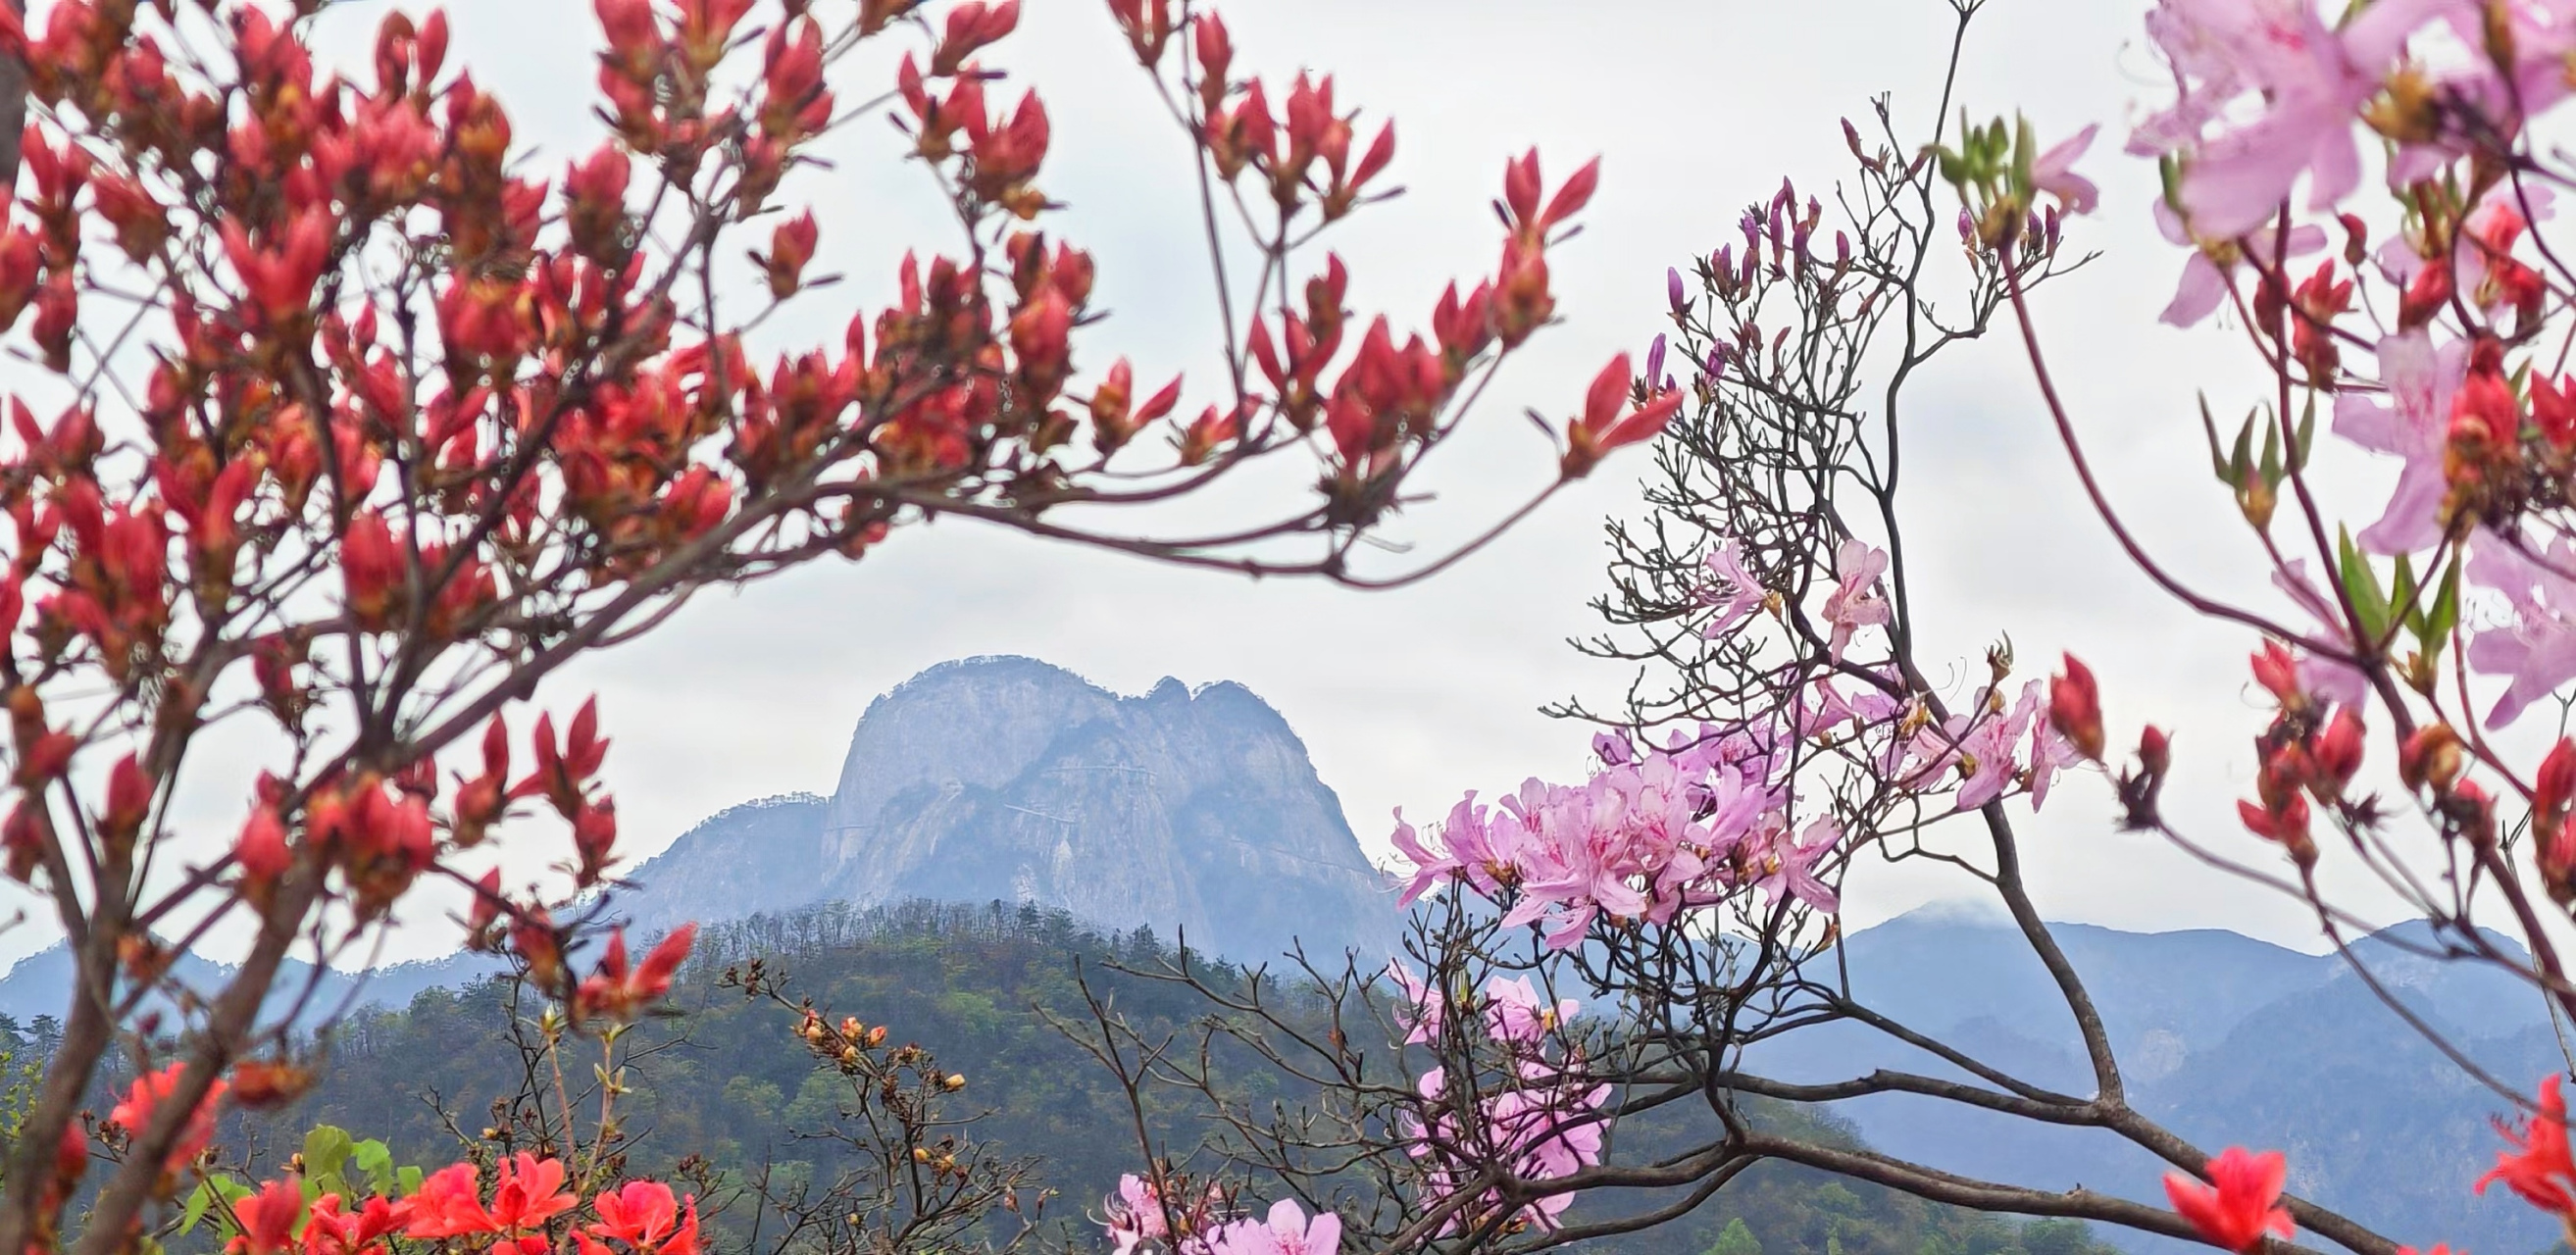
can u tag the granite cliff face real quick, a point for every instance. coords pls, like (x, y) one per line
(1009, 778)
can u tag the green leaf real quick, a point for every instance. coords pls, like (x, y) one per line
(407, 1178)
(2361, 586)
(2217, 455)
(2240, 462)
(325, 1149)
(376, 1161)
(2271, 465)
(2445, 614)
(2405, 596)
(200, 1201)
(2307, 436)
(2025, 153)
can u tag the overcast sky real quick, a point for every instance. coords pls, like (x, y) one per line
(1407, 698)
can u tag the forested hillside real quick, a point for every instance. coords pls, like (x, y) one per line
(724, 1079)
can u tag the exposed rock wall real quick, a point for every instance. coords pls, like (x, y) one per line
(1009, 778)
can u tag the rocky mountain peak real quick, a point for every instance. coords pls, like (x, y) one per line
(1192, 810)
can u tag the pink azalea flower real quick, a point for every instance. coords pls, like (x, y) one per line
(1468, 845)
(1586, 873)
(2311, 80)
(1514, 1012)
(1425, 1006)
(1286, 1232)
(1548, 1126)
(1987, 751)
(1790, 867)
(1430, 865)
(2536, 650)
(1134, 1215)
(2337, 682)
(1855, 603)
(2050, 751)
(1736, 593)
(2411, 420)
(1613, 749)
(2054, 173)
(2204, 278)
(2541, 34)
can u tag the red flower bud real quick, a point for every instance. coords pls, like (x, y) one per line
(372, 568)
(2554, 841)
(2075, 708)
(2278, 672)
(2284, 822)
(1602, 428)
(2337, 754)
(129, 799)
(2430, 758)
(480, 917)
(790, 247)
(261, 849)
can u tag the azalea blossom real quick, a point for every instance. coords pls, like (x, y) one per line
(1855, 602)
(2411, 420)
(2054, 172)
(2050, 753)
(619, 991)
(2539, 1168)
(526, 1192)
(1734, 591)
(1514, 1011)
(2311, 79)
(645, 1216)
(2327, 679)
(2535, 649)
(1424, 1005)
(1979, 744)
(266, 1219)
(1790, 867)
(329, 1230)
(1285, 1232)
(1134, 1215)
(143, 1100)
(1544, 1125)
(2240, 1204)
(2205, 280)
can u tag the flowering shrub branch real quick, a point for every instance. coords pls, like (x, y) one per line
(344, 430)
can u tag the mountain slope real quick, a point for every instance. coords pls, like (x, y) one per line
(723, 1079)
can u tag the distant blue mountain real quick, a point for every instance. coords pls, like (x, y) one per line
(41, 984)
(2224, 1039)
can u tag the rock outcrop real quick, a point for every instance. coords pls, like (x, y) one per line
(1191, 811)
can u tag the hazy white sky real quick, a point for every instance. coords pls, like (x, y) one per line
(1407, 698)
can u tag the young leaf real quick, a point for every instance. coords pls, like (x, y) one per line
(2217, 456)
(200, 1200)
(375, 1161)
(2307, 439)
(2445, 614)
(325, 1149)
(2361, 586)
(2405, 596)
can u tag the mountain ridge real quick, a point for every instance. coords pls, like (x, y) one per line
(1186, 809)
